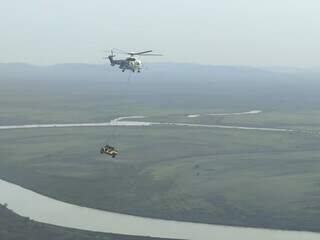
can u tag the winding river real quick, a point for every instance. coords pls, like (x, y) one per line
(47, 210)
(127, 121)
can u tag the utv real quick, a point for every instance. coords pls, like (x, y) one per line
(109, 150)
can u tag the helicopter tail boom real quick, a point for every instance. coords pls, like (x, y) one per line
(112, 62)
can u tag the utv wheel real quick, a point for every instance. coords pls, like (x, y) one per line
(101, 151)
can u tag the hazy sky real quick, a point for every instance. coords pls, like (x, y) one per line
(224, 32)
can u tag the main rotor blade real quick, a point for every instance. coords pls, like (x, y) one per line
(139, 53)
(144, 53)
(151, 54)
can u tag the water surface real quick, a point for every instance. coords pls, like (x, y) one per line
(47, 210)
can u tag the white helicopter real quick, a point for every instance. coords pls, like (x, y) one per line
(130, 63)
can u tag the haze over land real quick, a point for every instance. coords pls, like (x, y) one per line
(203, 175)
(230, 132)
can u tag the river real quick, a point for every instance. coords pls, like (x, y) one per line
(43, 209)
(48, 210)
(123, 121)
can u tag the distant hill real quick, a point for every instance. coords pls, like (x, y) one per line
(195, 85)
(152, 71)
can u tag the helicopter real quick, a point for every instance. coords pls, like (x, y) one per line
(131, 62)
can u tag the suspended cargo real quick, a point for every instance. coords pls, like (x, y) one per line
(109, 150)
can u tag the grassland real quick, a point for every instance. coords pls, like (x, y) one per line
(217, 176)
(232, 177)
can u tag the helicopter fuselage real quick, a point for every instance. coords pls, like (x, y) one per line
(129, 63)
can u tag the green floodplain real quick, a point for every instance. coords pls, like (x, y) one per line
(222, 176)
